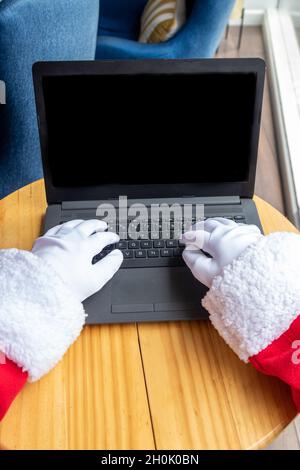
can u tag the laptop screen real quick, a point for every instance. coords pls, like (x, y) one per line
(149, 129)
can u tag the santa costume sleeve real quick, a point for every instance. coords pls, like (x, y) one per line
(255, 306)
(39, 320)
(12, 380)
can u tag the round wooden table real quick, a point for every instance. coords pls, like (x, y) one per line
(142, 386)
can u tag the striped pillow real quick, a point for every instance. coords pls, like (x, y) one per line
(161, 19)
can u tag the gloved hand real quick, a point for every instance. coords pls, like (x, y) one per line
(221, 238)
(69, 248)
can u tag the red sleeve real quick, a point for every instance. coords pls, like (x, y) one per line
(282, 359)
(12, 380)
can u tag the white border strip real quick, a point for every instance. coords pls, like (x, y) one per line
(284, 71)
(296, 18)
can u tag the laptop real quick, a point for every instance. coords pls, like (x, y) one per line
(149, 134)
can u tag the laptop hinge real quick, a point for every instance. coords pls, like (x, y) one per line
(215, 201)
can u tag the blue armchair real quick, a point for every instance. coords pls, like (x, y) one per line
(200, 36)
(34, 30)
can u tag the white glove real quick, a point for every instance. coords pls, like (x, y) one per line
(69, 248)
(221, 238)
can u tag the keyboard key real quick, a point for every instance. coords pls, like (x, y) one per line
(122, 227)
(144, 235)
(178, 251)
(153, 253)
(171, 243)
(109, 248)
(146, 244)
(154, 235)
(159, 243)
(101, 255)
(127, 253)
(133, 225)
(176, 228)
(181, 243)
(165, 235)
(140, 254)
(122, 245)
(239, 217)
(111, 227)
(133, 244)
(167, 252)
(155, 226)
(97, 258)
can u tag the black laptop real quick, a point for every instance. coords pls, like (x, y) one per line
(158, 133)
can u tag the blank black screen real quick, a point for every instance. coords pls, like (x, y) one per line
(148, 129)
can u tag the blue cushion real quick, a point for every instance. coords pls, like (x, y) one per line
(35, 30)
(199, 37)
(121, 18)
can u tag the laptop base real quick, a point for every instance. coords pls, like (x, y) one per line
(150, 293)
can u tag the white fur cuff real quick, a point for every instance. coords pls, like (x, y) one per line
(39, 317)
(257, 296)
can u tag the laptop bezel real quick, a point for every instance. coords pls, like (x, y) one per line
(162, 66)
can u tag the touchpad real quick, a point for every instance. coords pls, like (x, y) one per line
(155, 290)
(147, 294)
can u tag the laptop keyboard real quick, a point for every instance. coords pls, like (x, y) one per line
(158, 248)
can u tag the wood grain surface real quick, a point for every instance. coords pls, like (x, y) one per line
(165, 385)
